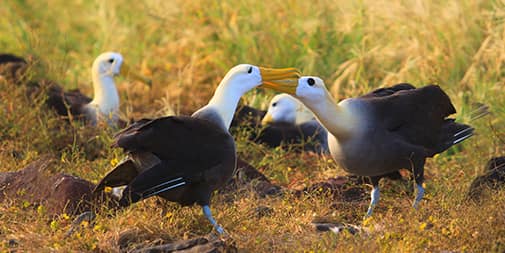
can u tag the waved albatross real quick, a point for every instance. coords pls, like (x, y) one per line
(105, 104)
(289, 121)
(184, 159)
(385, 130)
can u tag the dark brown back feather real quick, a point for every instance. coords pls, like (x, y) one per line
(382, 92)
(308, 136)
(417, 115)
(194, 142)
(194, 151)
(10, 58)
(247, 116)
(64, 102)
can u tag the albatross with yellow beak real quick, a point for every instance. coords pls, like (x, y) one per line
(385, 130)
(184, 159)
(105, 104)
(287, 121)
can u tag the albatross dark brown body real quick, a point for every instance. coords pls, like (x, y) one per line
(308, 136)
(195, 151)
(388, 129)
(67, 103)
(74, 105)
(403, 127)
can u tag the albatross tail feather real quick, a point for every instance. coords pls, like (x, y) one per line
(122, 174)
(451, 134)
(133, 196)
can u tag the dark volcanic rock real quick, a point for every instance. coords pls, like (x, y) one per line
(57, 192)
(136, 240)
(493, 178)
(197, 245)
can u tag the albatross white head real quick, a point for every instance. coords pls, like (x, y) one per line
(287, 109)
(105, 103)
(312, 92)
(239, 80)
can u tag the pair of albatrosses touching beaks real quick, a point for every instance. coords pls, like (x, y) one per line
(383, 131)
(185, 158)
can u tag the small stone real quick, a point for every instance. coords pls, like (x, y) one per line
(336, 227)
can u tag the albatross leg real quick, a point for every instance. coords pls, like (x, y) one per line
(375, 195)
(419, 178)
(208, 215)
(419, 196)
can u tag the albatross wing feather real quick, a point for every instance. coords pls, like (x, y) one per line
(64, 102)
(10, 58)
(417, 115)
(311, 134)
(382, 92)
(170, 181)
(193, 152)
(167, 136)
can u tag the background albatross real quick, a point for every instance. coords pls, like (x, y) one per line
(105, 103)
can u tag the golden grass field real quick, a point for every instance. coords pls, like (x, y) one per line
(188, 46)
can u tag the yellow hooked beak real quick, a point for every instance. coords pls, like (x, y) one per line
(267, 119)
(125, 71)
(283, 80)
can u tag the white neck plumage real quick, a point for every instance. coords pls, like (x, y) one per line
(106, 98)
(225, 101)
(334, 118)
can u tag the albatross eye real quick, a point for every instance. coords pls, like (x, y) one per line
(274, 104)
(249, 70)
(311, 81)
(111, 60)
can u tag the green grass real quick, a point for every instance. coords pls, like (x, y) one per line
(187, 46)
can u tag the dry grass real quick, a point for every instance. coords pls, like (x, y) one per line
(187, 46)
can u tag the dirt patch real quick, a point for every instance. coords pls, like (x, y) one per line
(342, 188)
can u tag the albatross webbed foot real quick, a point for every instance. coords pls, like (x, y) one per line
(208, 215)
(419, 196)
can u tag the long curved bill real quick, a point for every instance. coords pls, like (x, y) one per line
(283, 80)
(126, 71)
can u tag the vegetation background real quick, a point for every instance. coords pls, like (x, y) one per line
(187, 46)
